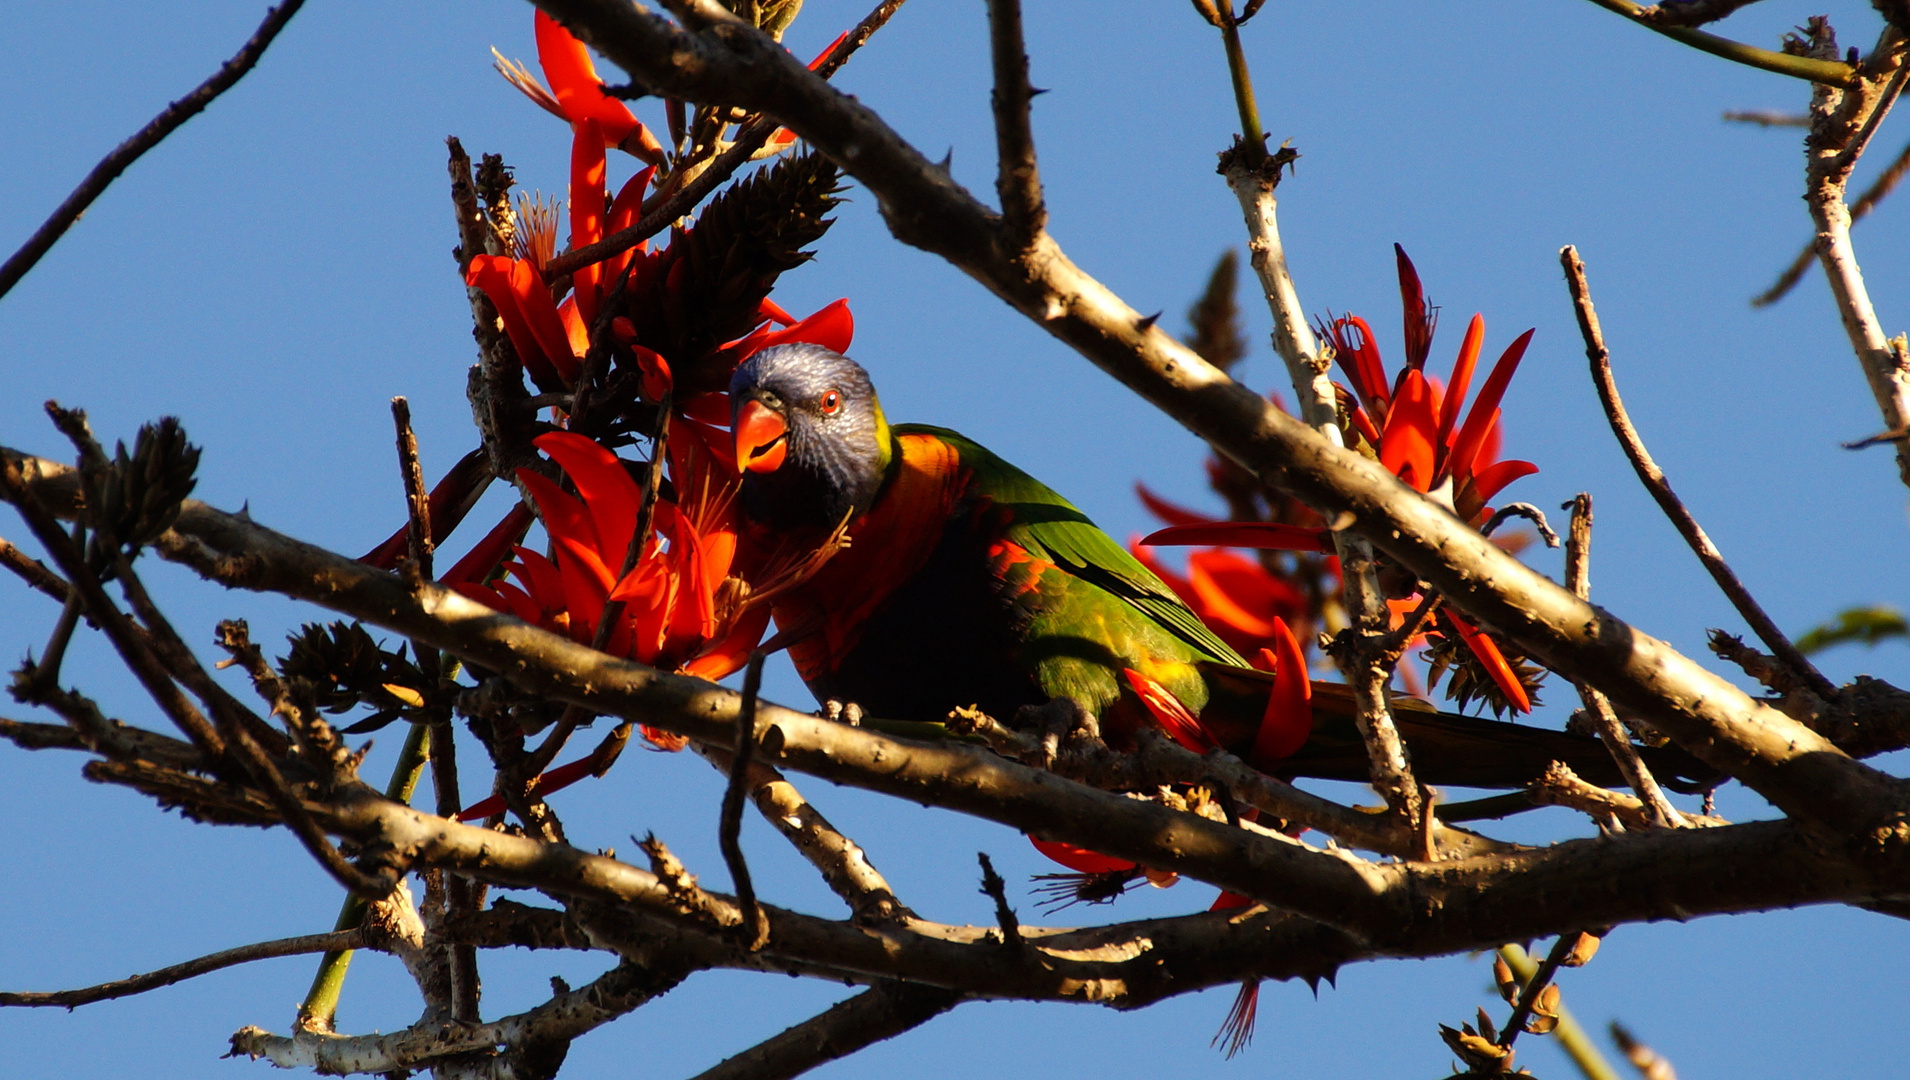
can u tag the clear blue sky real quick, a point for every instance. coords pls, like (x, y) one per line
(281, 267)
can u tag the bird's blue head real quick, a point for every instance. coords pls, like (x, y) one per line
(810, 437)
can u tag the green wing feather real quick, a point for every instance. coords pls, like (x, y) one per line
(1052, 528)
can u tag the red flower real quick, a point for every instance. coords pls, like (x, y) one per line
(1413, 424)
(550, 338)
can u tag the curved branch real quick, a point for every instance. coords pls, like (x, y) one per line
(1797, 67)
(166, 976)
(123, 155)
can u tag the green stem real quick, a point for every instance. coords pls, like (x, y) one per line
(1797, 67)
(1250, 131)
(1577, 1045)
(320, 1007)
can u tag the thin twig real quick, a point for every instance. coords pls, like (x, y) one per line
(730, 823)
(166, 976)
(144, 139)
(858, 37)
(1767, 118)
(1571, 1037)
(1651, 1065)
(1252, 175)
(1654, 480)
(1578, 561)
(1527, 511)
(1018, 181)
(1875, 193)
(419, 542)
(1534, 986)
(1797, 67)
(34, 572)
(1842, 121)
(996, 889)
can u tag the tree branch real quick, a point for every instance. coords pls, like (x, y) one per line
(1018, 179)
(883, 1011)
(1797, 67)
(123, 155)
(166, 976)
(1653, 478)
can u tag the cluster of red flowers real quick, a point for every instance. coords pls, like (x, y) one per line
(1411, 425)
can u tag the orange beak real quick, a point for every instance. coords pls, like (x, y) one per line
(761, 438)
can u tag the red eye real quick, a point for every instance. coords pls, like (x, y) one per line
(831, 402)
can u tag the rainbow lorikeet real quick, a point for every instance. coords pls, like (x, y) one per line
(968, 582)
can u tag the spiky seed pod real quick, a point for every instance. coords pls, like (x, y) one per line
(707, 285)
(342, 666)
(135, 497)
(1470, 679)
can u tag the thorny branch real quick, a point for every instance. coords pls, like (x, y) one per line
(1842, 121)
(1881, 187)
(1252, 174)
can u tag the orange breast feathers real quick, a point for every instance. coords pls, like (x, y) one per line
(886, 548)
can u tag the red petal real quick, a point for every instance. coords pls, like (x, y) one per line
(540, 313)
(625, 212)
(547, 784)
(832, 328)
(540, 576)
(482, 559)
(730, 654)
(656, 373)
(1487, 651)
(574, 82)
(1080, 859)
(1406, 445)
(770, 311)
(1412, 302)
(492, 273)
(1173, 716)
(1361, 361)
(1461, 378)
(1288, 721)
(1218, 603)
(587, 213)
(1494, 478)
(1246, 534)
(1479, 420)
(709, 408)
(824, 54)
(609, 493)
